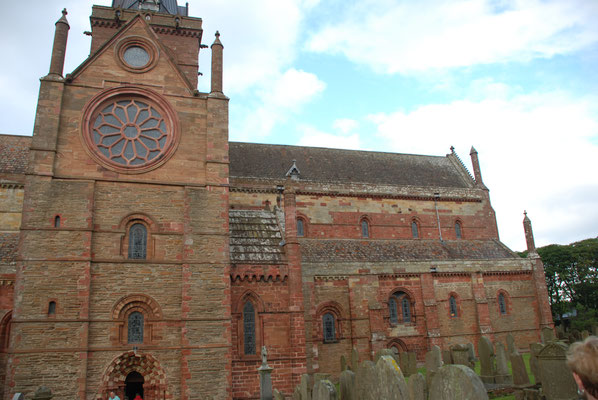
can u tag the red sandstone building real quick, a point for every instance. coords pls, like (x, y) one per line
(140, 250)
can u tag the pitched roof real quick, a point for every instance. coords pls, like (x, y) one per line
(14, 154)
(401, 250)
(255, 237)
(267, 161)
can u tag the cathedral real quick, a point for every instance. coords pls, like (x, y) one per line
(142, 252)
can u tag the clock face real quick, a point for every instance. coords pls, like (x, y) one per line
(131, 130)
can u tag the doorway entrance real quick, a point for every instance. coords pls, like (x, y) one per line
(133, 385)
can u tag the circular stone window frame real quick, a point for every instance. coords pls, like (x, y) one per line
(136, 41)
(99, 101)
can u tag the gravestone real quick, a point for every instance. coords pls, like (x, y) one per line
(486, 354)
(547, 335)
(390, 383)
(403, 362)
(557, 379)
(416, 386)
(347, 385)
(584, 334)
(305, 387)
(447, 358)
(520, 376)
(43, 393)
(460, 354)
(265, 372)
(386, 352)
(472, 357)
(364, 378)
(354, 359)
(502, 365)
(412, 363)
(535, 349)
(324, 390)
(319, 376)
(453, 382)
(511, 347)
(18, 396)
(433, 362)
(278, 395)
(343, 363)
(296, 394)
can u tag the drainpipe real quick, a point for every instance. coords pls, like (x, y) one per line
(436, 197)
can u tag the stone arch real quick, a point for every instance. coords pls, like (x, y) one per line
(398, 344)
(151, 228)
(155, 386)
(147, 306)
(333, 308)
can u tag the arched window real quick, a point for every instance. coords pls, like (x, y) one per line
(458, 232)
(57, 221)
(453, 307)
(328, 325)
(138, 242)
(52, 308)
(135, 327)
(365, 228)
(249, 328)
(402, 314)
(300, 228)
(502, 304)
(414, 230)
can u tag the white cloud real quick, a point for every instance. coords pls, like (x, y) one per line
(345, 125)
(413, 36)
(535, 150)
(313, 137)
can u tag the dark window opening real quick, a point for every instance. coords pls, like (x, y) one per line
(458, 230)
(138, 242)
(249, 328)
(453, 307)
(135, 327)
(328, 322)
(399, 306)
(57, 221)
(502, 305)
(414, 230)
(300, 228)
(365, 228)
(406, 310)
(392, 305)
(52, 308)
(134, 385)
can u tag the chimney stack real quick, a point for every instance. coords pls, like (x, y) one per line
(217, 65)
(59, 48)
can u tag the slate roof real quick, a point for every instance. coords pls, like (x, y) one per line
(401, 250)
(267, 161)
(14, 154)
(166, 6)
(255, 237)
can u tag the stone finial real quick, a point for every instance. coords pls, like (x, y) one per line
(59, 47)
(452, 149)
(217, 66)
(63, 19)
(477, 172)
(529, 235)
(217, 40)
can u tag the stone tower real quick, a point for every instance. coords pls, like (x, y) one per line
(123, 275)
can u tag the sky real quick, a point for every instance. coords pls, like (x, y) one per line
(515, 79)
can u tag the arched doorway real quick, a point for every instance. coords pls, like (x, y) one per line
(134, 385)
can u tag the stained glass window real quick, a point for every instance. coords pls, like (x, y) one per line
(392, 306)
(328, 322)
(137, 242)
(406, 310)
(458, 230)
(414, 230)
(502, 305)
(365, 229)
(52, 308)
(453, 306)
(300, 228)
(135, 327)
(249, 328)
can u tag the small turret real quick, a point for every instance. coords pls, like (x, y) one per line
(217, 50)
(477, 172)
(529, 235)
(59, 48)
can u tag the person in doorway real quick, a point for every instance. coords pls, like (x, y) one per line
(137, 397)
(113, 396)
(582, 359)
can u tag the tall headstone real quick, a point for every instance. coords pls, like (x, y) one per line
(472, 357)
(548, 335)
(390, 383)
(278, 395)
(305, 387)
(486, 353)
(386, 352)
(411, 363)
(265, 372)
(460, 354)
(296, 393)
(433, 362)
(511, 347)
(324, 390)
(319, 376)
(417, 388)
(43, 393)
(343, 363)
(502, 365)
(347, 385)
(447, 357)
(557, 379)
(457, 382)
(520, 376)
(354, 359)
(535, 349)
(403, 362)
(364, 378)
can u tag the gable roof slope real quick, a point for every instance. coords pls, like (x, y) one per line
(267, 161)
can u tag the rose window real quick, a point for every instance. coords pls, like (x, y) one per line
(130, 132)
